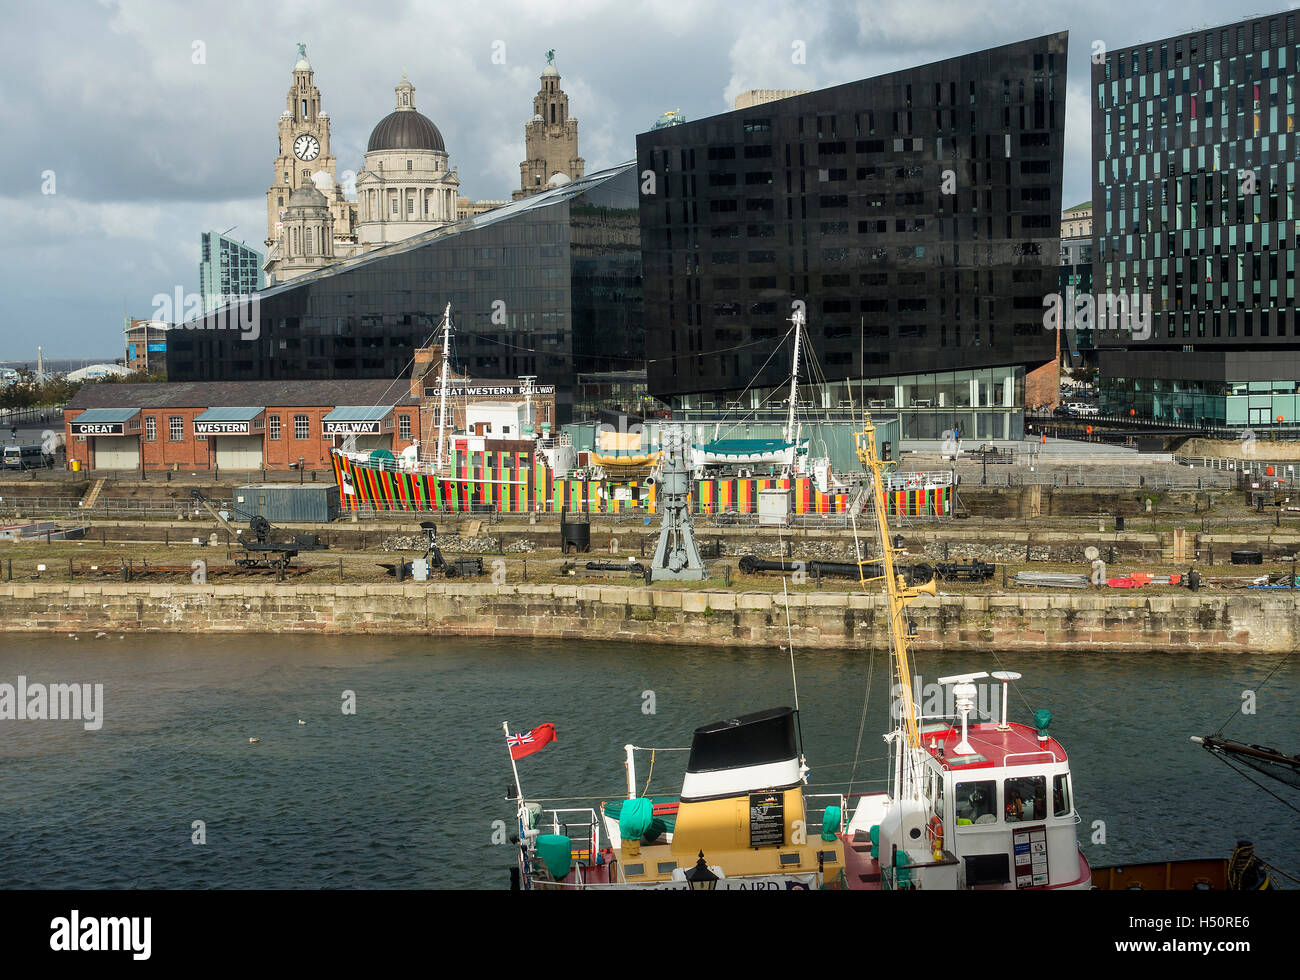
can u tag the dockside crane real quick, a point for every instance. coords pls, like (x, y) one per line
(260, 548)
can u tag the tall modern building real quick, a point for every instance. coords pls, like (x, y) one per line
(227, 268)
(916, 215)
(1194, 151)
(549, 286)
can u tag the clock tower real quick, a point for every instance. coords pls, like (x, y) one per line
(304, 133)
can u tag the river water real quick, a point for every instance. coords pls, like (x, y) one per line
(405, 792)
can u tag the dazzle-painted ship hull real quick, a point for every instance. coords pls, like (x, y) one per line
(520, 483)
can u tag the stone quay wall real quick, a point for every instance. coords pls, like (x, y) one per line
(1230, 623)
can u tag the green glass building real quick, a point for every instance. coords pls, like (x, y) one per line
(227, 268)
(1194, 156)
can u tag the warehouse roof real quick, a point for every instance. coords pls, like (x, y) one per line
(236, 394)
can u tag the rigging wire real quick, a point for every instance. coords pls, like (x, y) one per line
(1241, 772)
(1267, 677)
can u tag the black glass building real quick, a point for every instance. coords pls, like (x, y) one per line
(547, 286)
(917, 215)
(1194, 151)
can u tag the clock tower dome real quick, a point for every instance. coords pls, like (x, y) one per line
(304, 134)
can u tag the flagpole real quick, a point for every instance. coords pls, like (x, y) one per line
(519, 792)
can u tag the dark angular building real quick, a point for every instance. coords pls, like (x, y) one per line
(547, 286)
(1194, 151)
(917, 215)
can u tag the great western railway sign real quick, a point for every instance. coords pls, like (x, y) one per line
(221, 428)
(98, 428)
(370, 428)
(487, 391)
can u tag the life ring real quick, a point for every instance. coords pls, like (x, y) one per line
(936, 834)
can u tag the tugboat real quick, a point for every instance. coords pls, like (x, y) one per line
(970, 805)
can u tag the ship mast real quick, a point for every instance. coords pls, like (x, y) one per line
(899, 599)
(442, 385)
(798, 320)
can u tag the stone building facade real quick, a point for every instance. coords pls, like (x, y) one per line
(304, 141)
(406, 186)
(550, 138)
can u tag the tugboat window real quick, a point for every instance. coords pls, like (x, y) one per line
(977, 802)
(1025, 798)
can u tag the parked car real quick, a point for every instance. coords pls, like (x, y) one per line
(25, 458)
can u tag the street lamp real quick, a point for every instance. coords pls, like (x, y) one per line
(700, 878)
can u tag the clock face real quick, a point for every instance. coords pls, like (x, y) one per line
(306, 147)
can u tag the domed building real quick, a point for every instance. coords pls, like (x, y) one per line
(306, 241)
(405, 186)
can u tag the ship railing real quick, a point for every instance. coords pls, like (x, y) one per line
(832, 799)
(939, 875)
(1006, 759)
(566, 820)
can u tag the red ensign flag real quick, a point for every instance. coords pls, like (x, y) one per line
(529, 742)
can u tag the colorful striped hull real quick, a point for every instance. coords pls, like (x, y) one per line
(515, 483)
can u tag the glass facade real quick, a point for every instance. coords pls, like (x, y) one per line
(916, 214)
(547, 286)
(1211, 403)
(227, 268)
(1076, 279)
(983, 403)
(1194, 151)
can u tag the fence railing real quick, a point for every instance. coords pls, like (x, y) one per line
(104, 507)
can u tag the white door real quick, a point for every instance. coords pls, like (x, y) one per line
(117, 453)
(239, 452)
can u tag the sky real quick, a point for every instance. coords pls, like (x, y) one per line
(131, 127)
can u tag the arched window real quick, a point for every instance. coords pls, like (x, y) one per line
(307, 249)
(304, 108)
(552, 112)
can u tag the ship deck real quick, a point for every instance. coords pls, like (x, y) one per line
(1017, 745)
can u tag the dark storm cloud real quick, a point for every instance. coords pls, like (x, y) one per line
(150, 148)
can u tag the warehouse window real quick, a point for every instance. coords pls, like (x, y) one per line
(150, 428)
(301, 427)
(175, 428)
(404, 426)
(274, 423)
